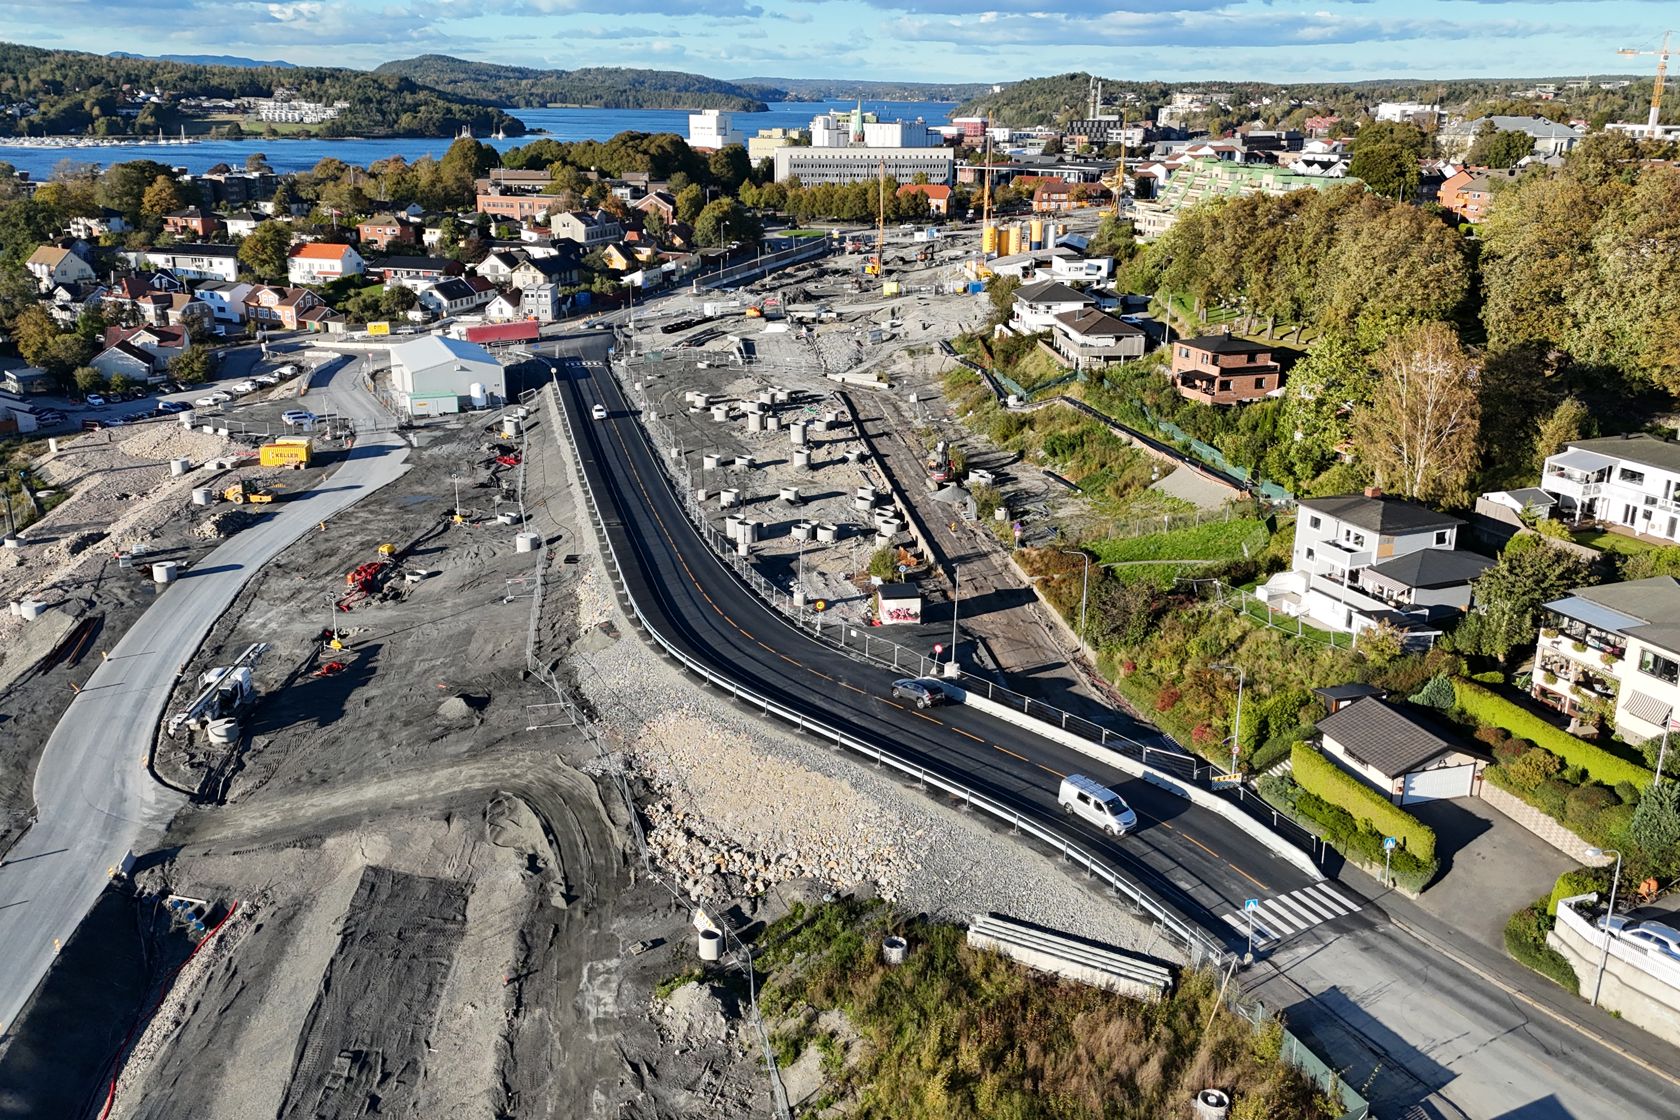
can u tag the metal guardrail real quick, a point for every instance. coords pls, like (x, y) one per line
(1199, 947)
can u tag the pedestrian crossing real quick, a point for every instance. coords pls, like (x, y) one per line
(1286, 915)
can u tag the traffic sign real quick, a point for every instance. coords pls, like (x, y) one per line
(1390, 843)
(1251, 904)
(1231, 777)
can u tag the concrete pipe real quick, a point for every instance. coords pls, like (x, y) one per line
(1211, 1104)
(893, 950)
(179, 467)
(10, 541)
(710, 462)
(711, 945)
(828, 534)
(802, 531)
(30, 609)
(702, 494)
(819, 425)
(755, 421)
(720, 413)
(187, 419)
(743, 547)
(799, 596)
(527, 542)
(802, 460)
(508, 517)
(790, 494)
(750, 531)
(164, 572)
(772, 423)
(1001, 513)
(796, 432)
(222, 731)
(203, 496)
(732, 527)
(729, 498)
(510, 425)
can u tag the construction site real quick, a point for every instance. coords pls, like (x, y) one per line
(403, 853)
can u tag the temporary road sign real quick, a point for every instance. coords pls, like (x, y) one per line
(1251, 904)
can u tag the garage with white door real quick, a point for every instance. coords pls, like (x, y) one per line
(1397, 750)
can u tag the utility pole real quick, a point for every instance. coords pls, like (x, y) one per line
(956, 601)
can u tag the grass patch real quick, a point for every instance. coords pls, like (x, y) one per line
(1214, 540)
(665, 987)
(954, 1034)
(1618, 543)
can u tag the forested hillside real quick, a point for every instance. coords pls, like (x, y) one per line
(613, 87)
(74, 93)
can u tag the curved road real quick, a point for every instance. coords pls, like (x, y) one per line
(95, 801)
(1427, 1027)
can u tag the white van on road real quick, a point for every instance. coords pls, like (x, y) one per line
(1096, 803)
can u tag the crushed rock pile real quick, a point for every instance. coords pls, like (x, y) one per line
(222, 523)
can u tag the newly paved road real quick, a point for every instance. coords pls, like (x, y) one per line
(1425, 1029)
(95, 800)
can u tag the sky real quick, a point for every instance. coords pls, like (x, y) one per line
(905, 40)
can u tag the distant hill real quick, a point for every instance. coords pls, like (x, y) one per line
(74, 94)
(604, 87)
(234, 60)
(845, 89)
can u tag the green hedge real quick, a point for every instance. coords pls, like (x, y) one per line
(1525, 939)
(1318, 775)
(1489, 708)
(1582, 880)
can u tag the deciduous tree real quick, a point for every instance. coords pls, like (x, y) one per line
(162, 197)
(1509, 595)
(264, 251)
(1419, 431)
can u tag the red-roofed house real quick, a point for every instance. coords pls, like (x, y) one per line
(280, 307)
(320, 262)
(938, 196)
(140, 352)
(194, 220)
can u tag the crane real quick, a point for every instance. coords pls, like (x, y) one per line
(1657, 88)
(877, 267)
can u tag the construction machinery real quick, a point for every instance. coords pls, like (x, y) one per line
(241, 492)
(224, 692)
(942, 464)
(1657, 88)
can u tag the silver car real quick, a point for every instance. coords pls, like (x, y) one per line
(923, 690)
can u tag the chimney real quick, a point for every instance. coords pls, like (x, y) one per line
(1373, 492)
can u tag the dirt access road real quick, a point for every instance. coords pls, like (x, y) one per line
(94, 797)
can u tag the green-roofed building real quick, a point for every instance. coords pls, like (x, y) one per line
(1201, 179)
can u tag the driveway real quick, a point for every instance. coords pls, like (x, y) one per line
(1492, 866)
(95, 800)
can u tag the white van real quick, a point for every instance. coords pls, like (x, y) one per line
(1097, 804)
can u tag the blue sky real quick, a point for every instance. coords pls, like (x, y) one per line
(938, 40)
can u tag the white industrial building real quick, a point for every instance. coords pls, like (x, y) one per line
(713, 128)
(431, 376)
(813, 165)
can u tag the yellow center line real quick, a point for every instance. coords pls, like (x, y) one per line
(788, 659)
(1047, 770)
(968, 734)
(1247, 876)
(1202, 846)
(894, 703)
(854, 688)
(923, 715)
(1010, 753)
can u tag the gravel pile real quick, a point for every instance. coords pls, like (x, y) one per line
(222, 523)
(173, 441)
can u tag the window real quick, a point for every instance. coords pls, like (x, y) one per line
(1654, 664)
(1315, 521)
(1637, 478)
(1184, 351)
(1252, 358)
(1443, 537)
(1225, 386)
(1259, 382)
(1311, 555)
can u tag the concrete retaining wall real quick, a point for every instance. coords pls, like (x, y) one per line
(1643, 990)
(1200, 797)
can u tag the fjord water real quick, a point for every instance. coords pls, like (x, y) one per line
(561, 124)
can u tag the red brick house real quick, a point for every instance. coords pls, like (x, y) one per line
(518, 207)
(1469, 194)
(194, 220)
(281, 308)
(1222, 369)
(380, 230)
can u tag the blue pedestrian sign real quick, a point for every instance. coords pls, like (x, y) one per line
(1390, 843)
(1251, 904)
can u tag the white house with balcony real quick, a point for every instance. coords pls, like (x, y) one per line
(1617, 642)
(1038, 305)
(1362, 560)
(1628, 481)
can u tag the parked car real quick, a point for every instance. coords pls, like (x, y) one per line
(91, 425)
(922, 690)
(296, 417)
(173, 406)
(208, 402)
(244, 387)
(50, 417)
(1088, 798)
(266, 379)
(1654, 937)
(94, 400)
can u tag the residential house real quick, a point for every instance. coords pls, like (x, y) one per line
(1053, 195)
(1614, 646)
(126, 360)
(1469, 193)
(497, 266)
(591, 231)
(1091, 339)
(67, 303)
(17, 416)
(937, 194)
(624, 258)
(1037, 305)
(194, 221)
(52, 265)
(275, 308)
(379, 231)
(190, 261)
(28, 381)
(145, 299)
(514, 180)
(1397, 750)
(1221, 369)
(518, 207)
(1551, 138)
(1338, 540)
(540, 302)
(1629, 482)
(225, 300)
(140, 352)
(505, 306)
(242, 223)
(663, 203)
(97, 225)
(456, 295)
(416, 273)
(321, 262)
(180, 309)
(533, 271)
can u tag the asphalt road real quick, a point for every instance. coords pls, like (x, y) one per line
(1423, 1030)
(95, 800)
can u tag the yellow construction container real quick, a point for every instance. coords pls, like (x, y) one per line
(989, 240)
(1014, 241)
(1037, 241)
(292, 451)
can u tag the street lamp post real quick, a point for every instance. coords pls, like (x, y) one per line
(956, 601)
(1084, 583)
(1236, 729)
(1604, 950)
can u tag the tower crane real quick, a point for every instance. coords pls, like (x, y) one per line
(1657, 88)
